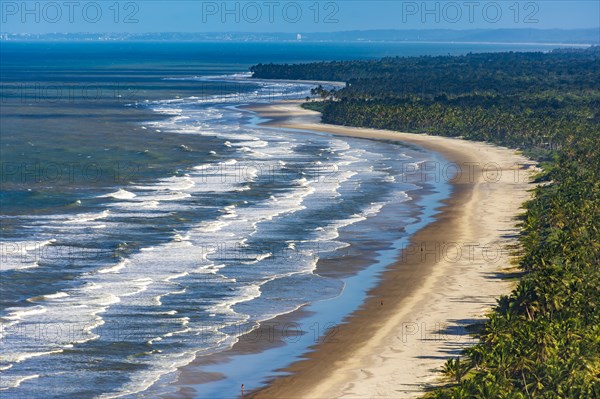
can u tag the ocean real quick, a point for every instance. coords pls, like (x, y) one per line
(148, 219)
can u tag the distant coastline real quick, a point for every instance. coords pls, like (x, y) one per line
(578, 45)
(550, 37)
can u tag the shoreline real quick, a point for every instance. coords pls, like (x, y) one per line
(392, 350)
(287, 336)
(430, 296)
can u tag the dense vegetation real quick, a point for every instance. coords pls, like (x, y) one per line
(542, 340)
(533, 101)
(428, 77)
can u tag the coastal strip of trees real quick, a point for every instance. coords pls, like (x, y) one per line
(542, 340)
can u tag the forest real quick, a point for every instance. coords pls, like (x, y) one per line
(543, 339)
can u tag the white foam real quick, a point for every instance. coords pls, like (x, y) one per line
(20, 255)
(30, 311)
(260, 257)
(7, 357)
(57, 295)
(10, 382)
(116, 268)
(88, 217)
(119, 194)
(373, 209)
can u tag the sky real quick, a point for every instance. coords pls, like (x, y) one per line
(290, 16)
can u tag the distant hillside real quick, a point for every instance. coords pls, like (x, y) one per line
(571, 36)
(471, 35)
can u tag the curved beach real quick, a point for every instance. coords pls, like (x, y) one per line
(446, 280)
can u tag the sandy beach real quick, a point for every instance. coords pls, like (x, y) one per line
(448, 278)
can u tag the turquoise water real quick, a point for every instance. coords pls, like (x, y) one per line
(147, 219)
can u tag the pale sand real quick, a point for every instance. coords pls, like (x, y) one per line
(396, 350)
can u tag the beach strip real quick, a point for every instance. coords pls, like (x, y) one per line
(417, 316)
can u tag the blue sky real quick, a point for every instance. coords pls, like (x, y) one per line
(290, 16)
